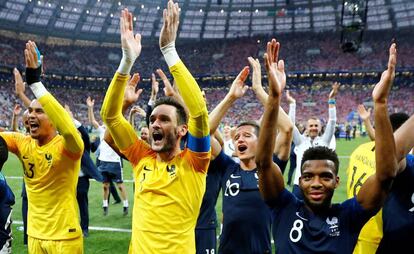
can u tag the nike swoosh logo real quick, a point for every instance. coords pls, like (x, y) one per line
(25, 157)
(297, 214)
(146, 169)
(234, 176)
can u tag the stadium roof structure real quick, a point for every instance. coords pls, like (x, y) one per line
(98, 20)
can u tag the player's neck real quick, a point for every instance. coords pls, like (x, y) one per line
(318, 210)
(45, 140)
(168, 155)
(248, 164)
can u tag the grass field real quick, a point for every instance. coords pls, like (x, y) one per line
(110, 242)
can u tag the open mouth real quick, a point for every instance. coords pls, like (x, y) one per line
(242, 148)
(157, 137)
(33, 126)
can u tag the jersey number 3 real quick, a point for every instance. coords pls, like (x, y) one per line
(29, 171)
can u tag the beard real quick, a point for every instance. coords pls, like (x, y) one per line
(170, 141)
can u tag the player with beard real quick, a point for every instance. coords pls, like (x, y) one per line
(51, 158)
(170, 182)
(313, 129)
(246, 217)
(314, 224)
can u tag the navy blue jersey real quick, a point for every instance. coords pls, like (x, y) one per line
(6, 201)
(246, 217)
(297, 230)
(207, 219)
(398, 213)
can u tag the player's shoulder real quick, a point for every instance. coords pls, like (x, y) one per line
(364, 149)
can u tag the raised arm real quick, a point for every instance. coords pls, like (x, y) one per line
(111, 112)
(56, 113)
(297, 136)
(131, 96)
(91, 115)
(284, 125)
(330, 127)
(271, 181)
(20, 88)
(404, 141)
(374, 191)
(16, 112)
(169, 89)
(198, 127)
(365, 115)
(237, 90)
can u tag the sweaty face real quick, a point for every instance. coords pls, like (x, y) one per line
(39, 123)
(318, 183)
(145, 134)
(245, 142)
(313, 128)
(163, 128)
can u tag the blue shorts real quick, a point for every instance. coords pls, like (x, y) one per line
(206, 241)
(111, 171)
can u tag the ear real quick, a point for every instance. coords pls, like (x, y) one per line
(337, 182)
(182, 130)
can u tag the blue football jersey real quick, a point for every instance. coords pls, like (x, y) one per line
(297, 230)
(246, 217)
(398, 213)
(6, 201)
(207, 219)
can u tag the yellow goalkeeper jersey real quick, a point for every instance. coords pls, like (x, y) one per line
(51, 175)
(361, 166)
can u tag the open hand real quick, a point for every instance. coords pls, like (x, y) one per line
(171, 18)
(383, 87)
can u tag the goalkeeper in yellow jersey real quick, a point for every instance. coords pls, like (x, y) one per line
(169, 182)
(51, 160)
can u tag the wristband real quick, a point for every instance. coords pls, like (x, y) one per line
(331, 101)
(33, 75)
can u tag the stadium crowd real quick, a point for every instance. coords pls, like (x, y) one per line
(220, 56)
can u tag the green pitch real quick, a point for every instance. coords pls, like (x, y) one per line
(112, 241)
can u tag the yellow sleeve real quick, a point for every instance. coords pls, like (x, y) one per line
(191, 93)
(12, 140)
(111, 113)
(73, 142)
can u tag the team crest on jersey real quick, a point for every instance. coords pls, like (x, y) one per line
(171, 170)
(333, 226)
(48, 157)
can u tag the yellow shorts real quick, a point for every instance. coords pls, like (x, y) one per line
(71, 246)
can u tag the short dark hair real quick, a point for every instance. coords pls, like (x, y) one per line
(181, 113)
(397, 119)
(4, 152)
(254, 124)
(320, 153)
